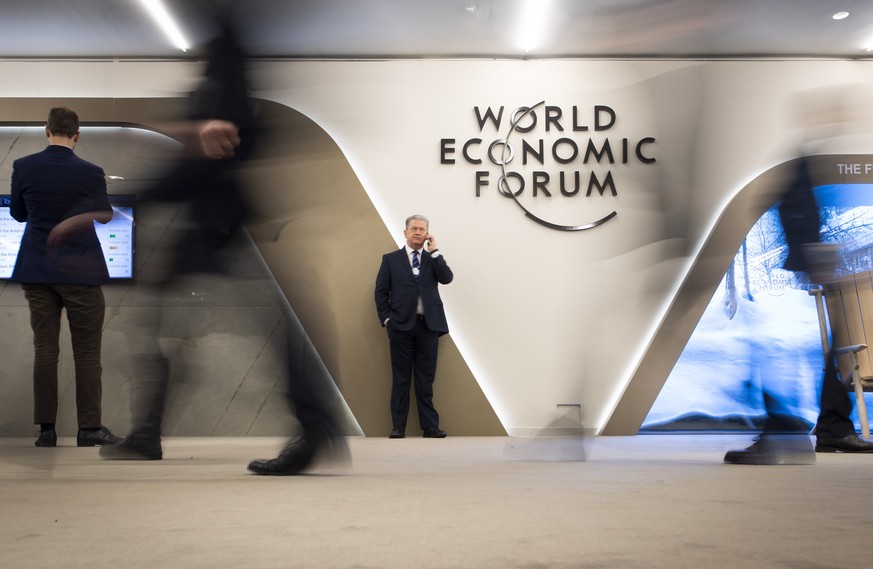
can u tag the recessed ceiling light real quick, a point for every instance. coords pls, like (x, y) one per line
(471, 9)
(840, 16)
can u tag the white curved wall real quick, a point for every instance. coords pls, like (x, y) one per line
(542, 316)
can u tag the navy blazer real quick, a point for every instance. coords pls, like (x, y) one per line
(397, 292)
(48, 187)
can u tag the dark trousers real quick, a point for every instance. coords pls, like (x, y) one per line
(85, 311)
(836, 407)
(834, 419)
(413, 354)
(310, 392)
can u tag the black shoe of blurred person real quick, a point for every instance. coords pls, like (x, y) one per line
(95, 437)
(299, 455)
(397, 433)
(433, 433)
(775, 449)
(850, 443)
(47, 438)
(134, 447)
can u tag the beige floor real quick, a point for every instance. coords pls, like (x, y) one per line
(636, 502)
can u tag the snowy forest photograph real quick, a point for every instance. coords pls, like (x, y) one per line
(761, 329)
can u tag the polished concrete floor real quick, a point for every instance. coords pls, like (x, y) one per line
(467, 502)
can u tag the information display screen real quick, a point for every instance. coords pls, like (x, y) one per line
(116, 237)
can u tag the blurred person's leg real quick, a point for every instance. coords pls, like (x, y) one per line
(779, 420)
(309, 390)
(834, 430)
(784, 439)
(313, 397)
(150, 373)
(148, 366)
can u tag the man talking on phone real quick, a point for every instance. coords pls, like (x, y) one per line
(410, 308)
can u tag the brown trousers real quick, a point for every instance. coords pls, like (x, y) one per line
(85, 307)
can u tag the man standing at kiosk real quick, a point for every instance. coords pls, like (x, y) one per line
(60, 266)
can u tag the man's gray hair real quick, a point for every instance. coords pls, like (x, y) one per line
(417, 216)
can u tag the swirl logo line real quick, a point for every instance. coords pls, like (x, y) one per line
(507, 191)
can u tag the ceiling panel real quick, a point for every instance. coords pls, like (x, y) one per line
(375, 29)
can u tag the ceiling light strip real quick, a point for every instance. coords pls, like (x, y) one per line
(165, 21)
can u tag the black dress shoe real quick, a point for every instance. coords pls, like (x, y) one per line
(134, 447)
(47, 439)
(95, 438)
(397, 433)
(850, 443)
(774, 449)
(299, 455)
(433, 433)
(293, 459)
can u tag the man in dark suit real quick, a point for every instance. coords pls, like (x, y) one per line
(409, 306)
(60, 265)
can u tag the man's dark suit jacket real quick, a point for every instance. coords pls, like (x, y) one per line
(397, 292)
(48, 187)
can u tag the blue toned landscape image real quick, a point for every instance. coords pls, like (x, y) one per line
(761, 328)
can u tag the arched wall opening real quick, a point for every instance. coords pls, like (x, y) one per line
(703, 280)
(306, 205)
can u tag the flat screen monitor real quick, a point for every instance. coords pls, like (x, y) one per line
(116, 237)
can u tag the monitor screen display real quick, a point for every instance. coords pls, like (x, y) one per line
(116, 237)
